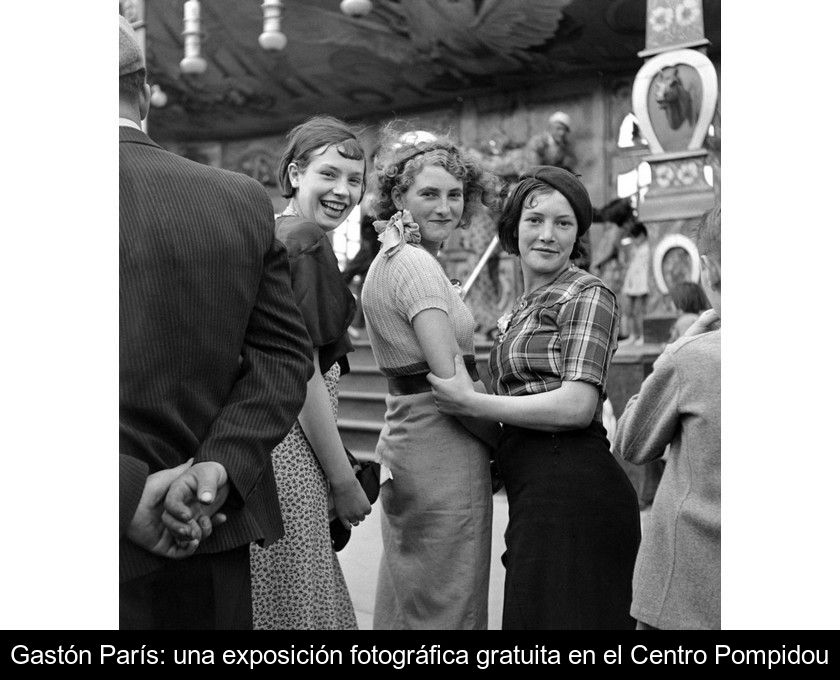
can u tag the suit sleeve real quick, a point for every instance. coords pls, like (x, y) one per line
(651, 418)
(133, 473)
(270, 390)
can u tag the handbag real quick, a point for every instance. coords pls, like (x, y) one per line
(368, 475)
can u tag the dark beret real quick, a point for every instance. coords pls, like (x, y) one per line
(568, 185)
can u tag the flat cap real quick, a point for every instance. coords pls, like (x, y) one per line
(131, 57)
(562, 118)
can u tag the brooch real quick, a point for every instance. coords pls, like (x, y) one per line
(504, 320)
(503, 323)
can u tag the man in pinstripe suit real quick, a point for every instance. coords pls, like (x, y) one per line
(214, 360)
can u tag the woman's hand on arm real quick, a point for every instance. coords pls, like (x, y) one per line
(448, 372)
(319, 426)
(570, 407)
(455, 395)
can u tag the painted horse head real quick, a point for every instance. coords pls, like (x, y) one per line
(672, 96)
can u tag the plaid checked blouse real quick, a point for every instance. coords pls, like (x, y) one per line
(566, 330)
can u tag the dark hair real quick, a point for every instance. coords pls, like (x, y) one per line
(131, 85)
(311, 135)
(688, 297)
(708, 235)
(397, 165)
(638, 229)
(618, 211)
(520, 198)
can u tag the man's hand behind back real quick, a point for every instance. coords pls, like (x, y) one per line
(193, 500)
(147, 528)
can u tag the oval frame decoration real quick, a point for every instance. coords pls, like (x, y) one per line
(668, 243)
(708, 79)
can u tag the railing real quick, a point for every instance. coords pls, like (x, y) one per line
(488, 253)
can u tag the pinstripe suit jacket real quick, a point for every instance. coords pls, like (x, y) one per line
(214, 356)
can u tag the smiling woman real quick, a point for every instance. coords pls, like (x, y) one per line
(436, 502)
(297, 582)
(328, 187)
(573, 526)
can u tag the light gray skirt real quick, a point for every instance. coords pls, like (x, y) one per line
(437, 513)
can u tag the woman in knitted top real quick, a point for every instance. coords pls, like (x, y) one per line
(436, 498)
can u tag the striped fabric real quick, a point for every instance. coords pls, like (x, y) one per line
(396, 289)
(567, 330)
(214, 356)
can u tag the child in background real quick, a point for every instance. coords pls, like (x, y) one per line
(676, 582)
(635, 287)
(690, 301)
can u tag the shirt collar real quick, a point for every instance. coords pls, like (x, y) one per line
(127, 122)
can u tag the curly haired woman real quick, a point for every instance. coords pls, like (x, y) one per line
(437, 503)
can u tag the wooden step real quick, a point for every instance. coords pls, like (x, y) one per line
(360, 436)
(368, 406)
(362, 354)
(363, 379)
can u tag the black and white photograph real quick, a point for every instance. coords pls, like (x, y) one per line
(408, 314)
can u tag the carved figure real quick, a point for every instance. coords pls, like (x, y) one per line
(674, 98)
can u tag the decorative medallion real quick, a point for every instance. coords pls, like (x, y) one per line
(674, 98)
(675, 259)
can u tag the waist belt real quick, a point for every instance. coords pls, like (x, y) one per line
(417, 383)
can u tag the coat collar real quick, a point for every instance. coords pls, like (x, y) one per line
(129, 134)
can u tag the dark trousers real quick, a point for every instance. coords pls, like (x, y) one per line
(202, 592)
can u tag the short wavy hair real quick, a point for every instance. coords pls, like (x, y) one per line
(688, 297)
(311, 135)
(708, 241)
(131, 85)
(523, 195)
(708, 234)
(397, 165)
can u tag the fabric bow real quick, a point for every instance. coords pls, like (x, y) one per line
(397, 231)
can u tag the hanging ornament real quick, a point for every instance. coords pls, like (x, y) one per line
(271, 38)
(356, 8)
(158, 98)
(192, 63)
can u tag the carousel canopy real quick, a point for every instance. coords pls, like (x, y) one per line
(404, 55)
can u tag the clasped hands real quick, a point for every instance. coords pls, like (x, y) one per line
(178, 508)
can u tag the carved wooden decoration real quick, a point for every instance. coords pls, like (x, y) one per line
(674, 97)
(675, 259)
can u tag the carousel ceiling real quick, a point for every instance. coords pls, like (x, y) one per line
(405, 55)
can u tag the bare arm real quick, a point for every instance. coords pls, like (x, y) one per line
(437, 340)
(569, 407)
(320, 428)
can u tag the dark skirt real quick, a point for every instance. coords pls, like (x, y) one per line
(573, 531)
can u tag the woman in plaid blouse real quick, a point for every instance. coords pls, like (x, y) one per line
(573, 530)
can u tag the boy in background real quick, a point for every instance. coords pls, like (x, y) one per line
(676, 583)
